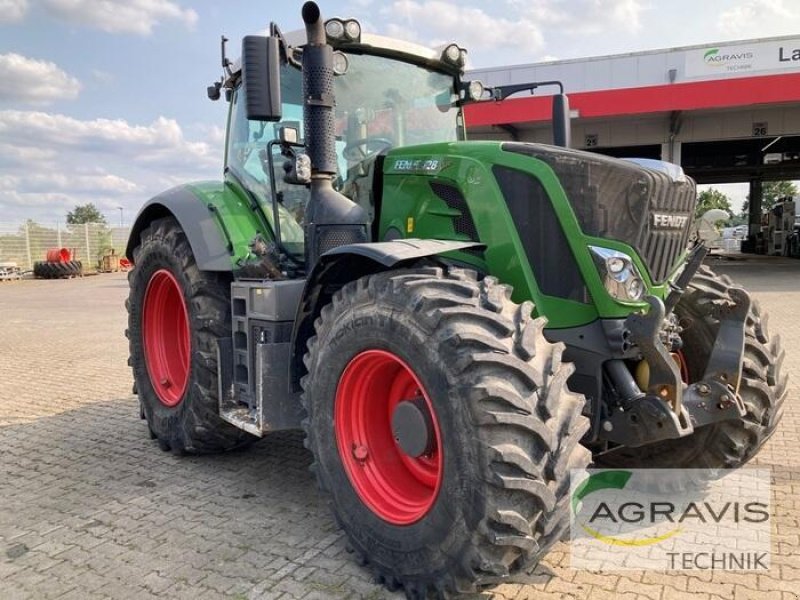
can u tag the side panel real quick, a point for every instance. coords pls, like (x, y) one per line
(411, 207)
(215, 217)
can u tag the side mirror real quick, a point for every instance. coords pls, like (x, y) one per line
(562, 132)
(261, 77)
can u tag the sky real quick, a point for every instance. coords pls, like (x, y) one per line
(104, 101)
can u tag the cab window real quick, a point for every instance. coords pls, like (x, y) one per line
(246, 158)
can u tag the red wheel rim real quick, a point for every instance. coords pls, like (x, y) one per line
(396, 487)
(167, 343)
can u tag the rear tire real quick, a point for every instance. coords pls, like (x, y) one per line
(175, 369)
(41, 270)
(72, 268)
(57, 270)
(507, 428)
(728, 444)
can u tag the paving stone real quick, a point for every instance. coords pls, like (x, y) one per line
(90, 508)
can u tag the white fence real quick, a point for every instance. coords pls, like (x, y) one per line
(26, 243)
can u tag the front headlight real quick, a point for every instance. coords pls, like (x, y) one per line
(620, 276)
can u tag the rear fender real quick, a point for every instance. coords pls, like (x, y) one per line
(211, 249)
(344, 264)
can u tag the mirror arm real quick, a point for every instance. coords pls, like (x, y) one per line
(501, 92)
(287, 52)
(276, 218)
(226, 63)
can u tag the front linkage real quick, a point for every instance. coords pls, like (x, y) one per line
(671, 408)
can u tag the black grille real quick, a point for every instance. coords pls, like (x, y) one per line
(333, 236)
(463, 223)
(541, 234)
(618, 200)
(319, 116)
(454, 199)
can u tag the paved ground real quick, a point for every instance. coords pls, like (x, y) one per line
(90, 508)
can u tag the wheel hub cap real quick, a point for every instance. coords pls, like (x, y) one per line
(413, 428)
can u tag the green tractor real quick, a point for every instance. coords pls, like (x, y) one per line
(455, 325)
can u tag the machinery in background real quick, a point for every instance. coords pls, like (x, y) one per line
(789, 209)
(9, 271)
(109, 262)
(779, 228)
(59, 263)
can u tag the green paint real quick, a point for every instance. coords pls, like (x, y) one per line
(468, 166)
(408, 201)
(241, 223)
(411, 207)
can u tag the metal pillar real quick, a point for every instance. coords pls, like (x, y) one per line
(754, 219)
(671, 152)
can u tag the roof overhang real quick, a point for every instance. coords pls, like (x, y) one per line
(698, 95)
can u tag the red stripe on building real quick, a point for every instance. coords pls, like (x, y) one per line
(726, 93)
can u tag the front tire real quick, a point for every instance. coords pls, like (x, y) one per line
(732, 443)
(489, 494)
(176, 314)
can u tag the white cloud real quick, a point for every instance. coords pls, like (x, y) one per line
(161, 139)
(752, 18)
(435, 22)
(34, 81)
(52, 162)
(582, 17)
(121, 16)
(102, 183)
(512, 30)
(12, 10)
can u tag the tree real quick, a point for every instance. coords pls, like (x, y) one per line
(85, 213)
(712, 198)
(771, 192)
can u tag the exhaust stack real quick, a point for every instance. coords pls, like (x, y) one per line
(331, 219)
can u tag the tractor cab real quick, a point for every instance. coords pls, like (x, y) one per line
(389, 94)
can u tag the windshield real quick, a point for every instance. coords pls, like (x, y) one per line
(397, 103)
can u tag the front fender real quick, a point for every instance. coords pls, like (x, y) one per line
(344, 264)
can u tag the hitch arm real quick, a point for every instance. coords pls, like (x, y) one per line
(678, 288)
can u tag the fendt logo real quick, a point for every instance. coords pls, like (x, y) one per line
(667, 221)
(715, 59)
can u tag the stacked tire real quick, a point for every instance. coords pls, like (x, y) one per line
(57, 270)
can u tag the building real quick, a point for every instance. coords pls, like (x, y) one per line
(727, 112)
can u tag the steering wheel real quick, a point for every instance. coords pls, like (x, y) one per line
(363, 148)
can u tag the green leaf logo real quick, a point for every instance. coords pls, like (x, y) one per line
(599, 481)
(710, 54)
